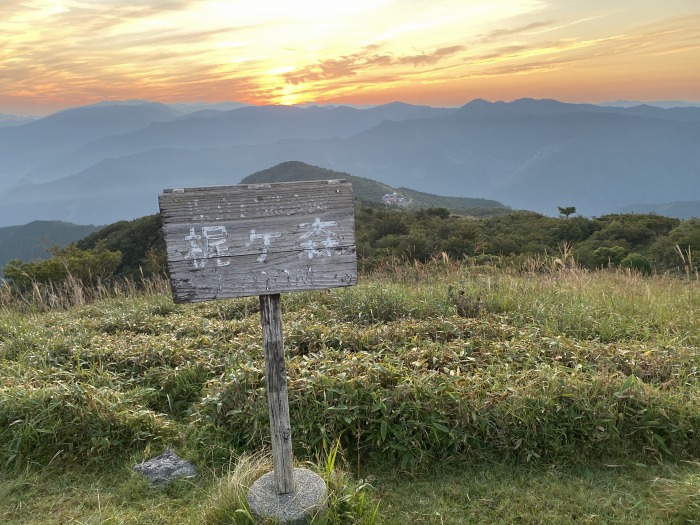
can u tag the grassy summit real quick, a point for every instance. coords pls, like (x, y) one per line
(556, 396)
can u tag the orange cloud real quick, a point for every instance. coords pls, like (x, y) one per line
(365, 61)
(169, 50)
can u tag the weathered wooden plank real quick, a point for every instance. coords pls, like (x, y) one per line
(245, 236)
(211, 283)
(233, 202)
(235, 241)
(277, 398)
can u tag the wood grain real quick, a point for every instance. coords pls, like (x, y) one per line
(277, 397)
(235, 241)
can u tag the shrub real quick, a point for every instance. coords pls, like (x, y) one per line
(417, 407)
(85, 266)
(78, 421)
(609, 256)
(637, 262)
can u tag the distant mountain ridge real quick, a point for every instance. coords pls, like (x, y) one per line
(34, 240)
(43, 141)
(107, 163)
(13, 120)
(247, 125)
(679, 209)
(658, 103)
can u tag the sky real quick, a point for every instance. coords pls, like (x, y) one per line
(65, 53)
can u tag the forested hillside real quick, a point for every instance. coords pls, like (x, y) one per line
(646, 243)
(605, 241)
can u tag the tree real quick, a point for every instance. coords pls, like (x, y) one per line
(567, 210)
(133, 239)
(637, 262)
(609, 255)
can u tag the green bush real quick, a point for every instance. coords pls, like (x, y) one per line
(609, 256)
(637, 262)
(86, 266)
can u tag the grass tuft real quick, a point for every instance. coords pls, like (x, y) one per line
(227, 505)
(678, 500)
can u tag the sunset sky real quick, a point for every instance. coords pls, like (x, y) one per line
(57, 54)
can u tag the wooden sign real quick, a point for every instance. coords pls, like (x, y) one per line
(263, 239)
(259, 239)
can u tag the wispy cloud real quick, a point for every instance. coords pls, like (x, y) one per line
(429, 59)
(82, 50)
(366, 60)
(501, 32)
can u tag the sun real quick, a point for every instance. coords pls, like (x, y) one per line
(290, 96)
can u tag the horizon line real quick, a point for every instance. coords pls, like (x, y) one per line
(667, 104)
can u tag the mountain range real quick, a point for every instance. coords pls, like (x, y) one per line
(107, 162)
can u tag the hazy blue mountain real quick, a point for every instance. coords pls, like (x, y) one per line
(34, 240)
(665, 104)
(532, 160)
(528, 154)
(13, 120)
(185, 107)
(531, 106)
(679, 209)
(247, 125)
(41, 141)
(680, 114)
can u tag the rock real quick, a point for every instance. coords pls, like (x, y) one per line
(165, 468)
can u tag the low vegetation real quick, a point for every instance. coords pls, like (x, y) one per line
(573, 395)
(645, 243)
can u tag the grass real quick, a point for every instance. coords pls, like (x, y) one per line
(88, 496)
(448, 494)
(496, 494)
(500, 396)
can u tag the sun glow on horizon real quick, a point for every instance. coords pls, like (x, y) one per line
(72, 52)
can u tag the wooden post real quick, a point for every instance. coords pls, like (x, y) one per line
(278, 402)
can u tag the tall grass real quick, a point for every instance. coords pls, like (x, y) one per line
(72, 292)
(347, 500)
(442, 360)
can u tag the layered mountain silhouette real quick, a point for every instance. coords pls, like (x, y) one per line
(105, 163)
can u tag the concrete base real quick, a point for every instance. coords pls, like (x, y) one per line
(292, 509)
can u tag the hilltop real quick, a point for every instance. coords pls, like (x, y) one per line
(371, 192)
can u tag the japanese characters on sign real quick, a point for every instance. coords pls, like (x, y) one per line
(243, 240)
(211, 243)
